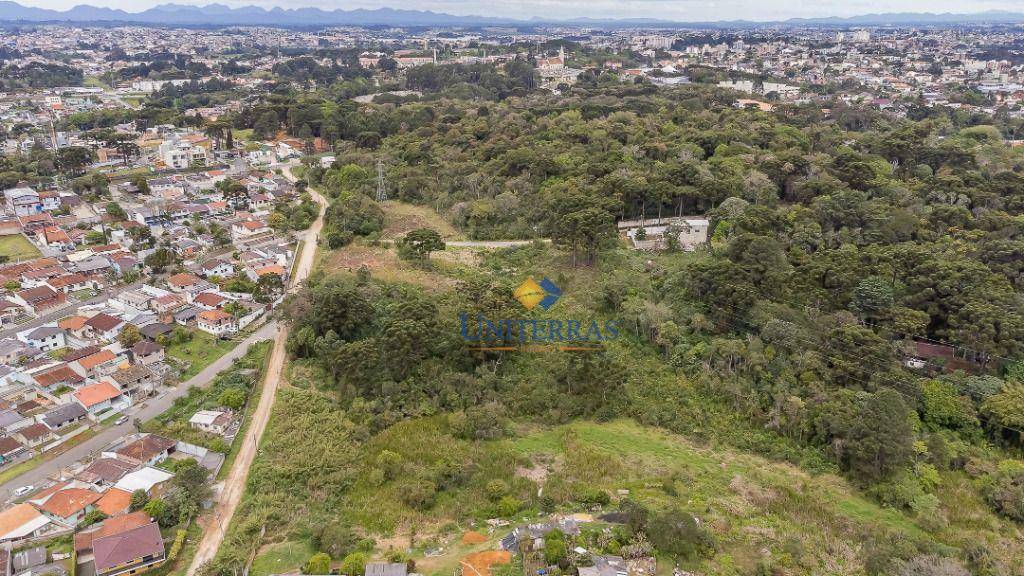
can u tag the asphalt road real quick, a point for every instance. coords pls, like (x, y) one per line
(68, 310)
(153, 407)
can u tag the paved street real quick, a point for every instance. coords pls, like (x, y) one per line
(153, 407)
(68, 310)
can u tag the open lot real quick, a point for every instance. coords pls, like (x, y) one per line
(16, 247)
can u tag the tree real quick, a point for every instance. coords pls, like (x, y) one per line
(268, 287)
(139, 500)
(418, 244)
(1007, 407)
(116, 211)
(319, 563)
(74, 158)
(233, 398)
(266, 125)
(157, 509)
(130, 336)
(871, 434)
(678, 534)
(160, 259)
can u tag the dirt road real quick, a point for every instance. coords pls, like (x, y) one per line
(234, 484)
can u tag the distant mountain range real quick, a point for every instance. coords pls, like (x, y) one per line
(221, 15)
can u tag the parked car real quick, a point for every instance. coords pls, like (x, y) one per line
(24, 490)
(120, 420)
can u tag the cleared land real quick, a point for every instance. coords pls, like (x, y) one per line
(16, 247)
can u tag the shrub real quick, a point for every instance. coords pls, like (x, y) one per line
(319, 563)
(354, 564)
(679, 534)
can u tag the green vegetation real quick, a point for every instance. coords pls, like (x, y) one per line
(196, 350)
(229, 389)
(755, 406)
(16, 247)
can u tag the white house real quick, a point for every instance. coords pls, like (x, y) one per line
(211, 421)
(216, 322)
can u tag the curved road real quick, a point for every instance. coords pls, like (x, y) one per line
(234, 484)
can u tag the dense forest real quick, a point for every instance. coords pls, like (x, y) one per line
(843, 239)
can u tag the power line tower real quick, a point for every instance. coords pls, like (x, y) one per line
(382, 186)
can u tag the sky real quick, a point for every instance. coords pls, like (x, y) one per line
(678, 10)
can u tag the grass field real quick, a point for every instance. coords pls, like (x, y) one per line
(199, 352)
(281, 558)
(400, 218)
(16, 247)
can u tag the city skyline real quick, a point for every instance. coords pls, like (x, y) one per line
(670, 10)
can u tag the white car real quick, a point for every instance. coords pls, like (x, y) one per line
(24, 490)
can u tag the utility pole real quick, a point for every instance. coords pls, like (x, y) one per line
(382, 188)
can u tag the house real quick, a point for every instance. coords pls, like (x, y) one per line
(129, 552)
(186, 316)
(104, 471)
(148, 353)
(100, 397)
(167, 303)
(46, 338)
(212, 421)
(25, 561)
(110, 526)
(55, 238)
(248, 228)
(11, 421)
(185, 283)
(97, 365)
(68, 506)
(114, 501)
(53, 378)
(216, 322)
(76, 327)
(63, 416)
(105, 327)
(209, 301)
(151, 480)
(22, 201)
(34, 435)
(217, 267)
(22, 521)
(13, 351)
(688, 233)
(134, 379)
(155, 330)
(9, 311)
(38, 299)
(69, 283)
(135, 298)
(149, 449)
(11, 449)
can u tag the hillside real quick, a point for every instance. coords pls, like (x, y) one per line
(758, 393)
